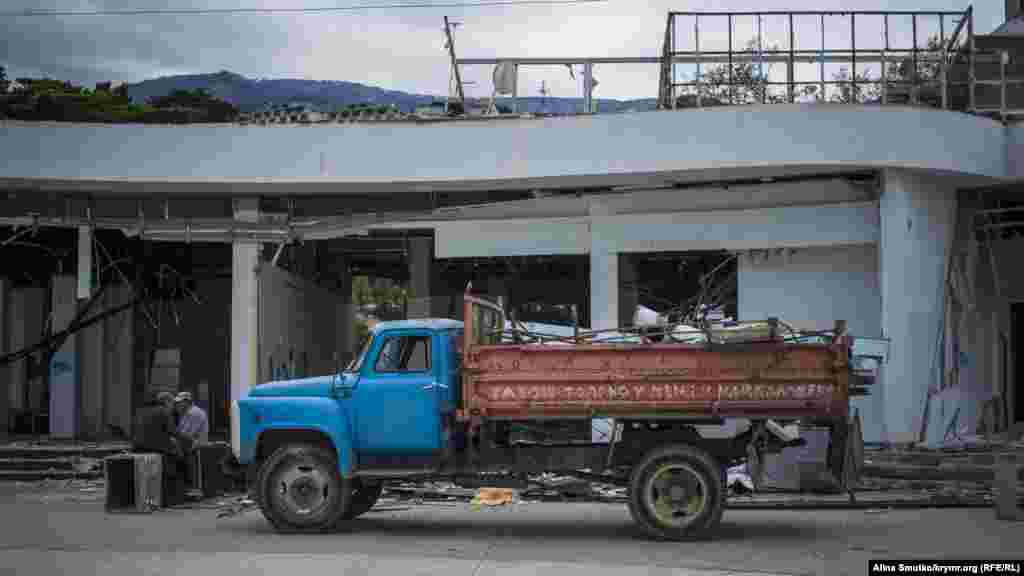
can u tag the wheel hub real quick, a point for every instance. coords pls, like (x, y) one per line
(303, 489)
(676, 494)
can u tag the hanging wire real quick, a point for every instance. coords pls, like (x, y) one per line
(314, 10)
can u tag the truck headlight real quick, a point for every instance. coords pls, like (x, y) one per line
(236, 430)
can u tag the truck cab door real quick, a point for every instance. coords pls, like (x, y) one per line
(397, 403)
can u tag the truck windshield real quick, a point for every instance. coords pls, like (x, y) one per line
(357, 363)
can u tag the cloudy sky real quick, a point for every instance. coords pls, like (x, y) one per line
(403, 49)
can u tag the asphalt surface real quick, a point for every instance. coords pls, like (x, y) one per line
(43, 533)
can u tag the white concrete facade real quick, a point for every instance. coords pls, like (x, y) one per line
(818, 251)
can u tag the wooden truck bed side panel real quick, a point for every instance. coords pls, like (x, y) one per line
(577, 381)
(770, 379)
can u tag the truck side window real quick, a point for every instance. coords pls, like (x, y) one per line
(404, 354)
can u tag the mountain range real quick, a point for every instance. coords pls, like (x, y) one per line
(252, 94)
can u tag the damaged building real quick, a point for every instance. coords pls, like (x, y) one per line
(209, 259)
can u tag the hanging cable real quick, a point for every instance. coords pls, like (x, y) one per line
(316, 10)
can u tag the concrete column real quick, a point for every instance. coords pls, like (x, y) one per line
(604, 298)
(604, 274)
(118, 359)
(16, 340)
(5, 398)
(916, 225)
(64, 366)
(245, 257)
(628, 296)
(346, 317)
(421, 261)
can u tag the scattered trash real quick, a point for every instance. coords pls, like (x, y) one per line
(738, 480)
(84, 465)
(493, 497)
(392, 509)
(239, 505)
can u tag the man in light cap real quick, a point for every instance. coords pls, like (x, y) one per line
(193, 429)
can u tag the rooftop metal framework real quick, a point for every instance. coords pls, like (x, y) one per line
(918, 58)
(926, 58)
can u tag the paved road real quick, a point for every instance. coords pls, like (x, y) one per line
(60, 537)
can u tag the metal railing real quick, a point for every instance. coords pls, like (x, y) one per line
(942, 69)
(915, 73)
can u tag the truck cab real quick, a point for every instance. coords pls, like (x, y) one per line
(392, 402)
(388, 413)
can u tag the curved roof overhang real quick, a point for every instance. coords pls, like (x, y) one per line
(646, 148)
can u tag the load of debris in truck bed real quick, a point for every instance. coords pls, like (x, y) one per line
(867, 353)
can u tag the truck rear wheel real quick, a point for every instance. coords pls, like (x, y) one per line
(676, 493)
(364, 496)
(299, 489)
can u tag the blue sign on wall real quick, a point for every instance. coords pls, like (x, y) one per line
(64, 392)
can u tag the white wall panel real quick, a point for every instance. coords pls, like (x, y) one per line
(490, 238)
(795, 226)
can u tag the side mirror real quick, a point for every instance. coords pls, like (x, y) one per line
(340, 388)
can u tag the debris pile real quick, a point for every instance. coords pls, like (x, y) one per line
(235, 506)
(963, 471)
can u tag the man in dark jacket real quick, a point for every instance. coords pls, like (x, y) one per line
(155, 432)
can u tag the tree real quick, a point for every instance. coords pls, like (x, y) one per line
(748, 83)
(901, 78)
(3, 79)
(198, 102)
(743, 83)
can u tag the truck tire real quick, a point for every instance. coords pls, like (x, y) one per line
(364, 496)
(676, 493)
(299, 489)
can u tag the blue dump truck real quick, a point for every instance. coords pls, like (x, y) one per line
(436, 399)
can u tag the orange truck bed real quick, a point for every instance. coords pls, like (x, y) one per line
(757, 380)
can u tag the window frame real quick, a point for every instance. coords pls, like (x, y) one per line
(386, 339)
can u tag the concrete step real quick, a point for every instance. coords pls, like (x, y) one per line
(36, 475)
(37, 464)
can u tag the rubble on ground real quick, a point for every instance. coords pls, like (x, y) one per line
(72, 490)
(233, 506)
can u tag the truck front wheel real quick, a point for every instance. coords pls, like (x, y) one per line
(299, 488)
(676, 493)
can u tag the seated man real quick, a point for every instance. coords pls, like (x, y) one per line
(193, 429)
(154, 432)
